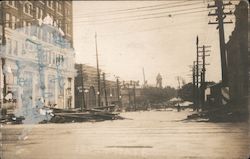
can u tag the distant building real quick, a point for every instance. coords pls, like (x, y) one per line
(238, 56)
(37, 55)
(88, 75)
(131, 95)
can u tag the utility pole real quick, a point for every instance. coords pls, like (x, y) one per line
(221, 15)
(203, 74)
(105, 91)
(83, 105)
(194, 85)
(144, 79)
(118, 90)
(98, 74)
(134, 96)
(197, 74)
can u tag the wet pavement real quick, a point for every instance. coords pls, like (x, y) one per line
(144, 135)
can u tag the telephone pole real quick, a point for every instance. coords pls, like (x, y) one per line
(118, 90)
(105, 91)
(221, 15)
(83, 105)
(197, 74)
(98, 74)
(144, 79)
(194, 85)
(134, 96)
(203, 74)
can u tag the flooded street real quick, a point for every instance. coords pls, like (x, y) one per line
(144, 135)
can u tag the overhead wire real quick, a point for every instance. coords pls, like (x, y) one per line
(135, 18)
(133, 11)
(152, 29)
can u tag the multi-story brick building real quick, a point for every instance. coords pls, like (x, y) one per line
(37, 56)
(87, 77)
(16, 14)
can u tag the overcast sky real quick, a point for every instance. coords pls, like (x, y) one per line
(157, 35)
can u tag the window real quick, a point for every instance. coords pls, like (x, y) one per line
(49, 37)
(24, 26)
(13, 22)
(59, 22)
(67, 29)
(15, 47)
(53, 58)
(23, 48)
(28, 28)
(27, 8)
(51, 88)
(11, 3)
(67, 12)
(39, 13)
(45, 57)
(69, 82)
(44, 36)
(50, 4)
(59, 7)
(41, 2)
(7, 18)
(40, 33)
(9, 44)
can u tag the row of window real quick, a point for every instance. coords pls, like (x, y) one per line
(15, 48)
(29, 30)
(55, 5)
(28, 7)
(11, 3)
(12, 21)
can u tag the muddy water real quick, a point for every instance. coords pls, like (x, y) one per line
(144, 135)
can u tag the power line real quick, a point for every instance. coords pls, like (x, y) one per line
(137, 10)
(151, 29)
(142, 15)
(145, 18)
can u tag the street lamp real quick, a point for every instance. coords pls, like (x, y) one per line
(86, 91)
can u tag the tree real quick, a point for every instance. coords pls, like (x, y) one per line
(158, 95)
(186, 92)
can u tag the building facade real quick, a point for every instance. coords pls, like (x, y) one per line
(238, 57)
(87, 79)
(131, 95)
(37, 55)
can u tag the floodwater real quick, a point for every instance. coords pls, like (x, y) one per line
(144, 135)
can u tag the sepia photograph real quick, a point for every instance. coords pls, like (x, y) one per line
(125, 79)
